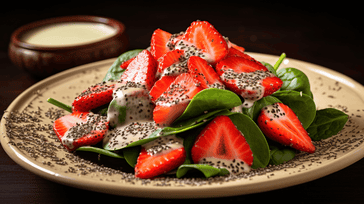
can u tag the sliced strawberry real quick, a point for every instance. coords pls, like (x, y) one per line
(279, 123)
(141, 70)
(160, 156)
(171, 104)
(125, 64)
(172, 63)
(221, 144)
(204, 73)
(80, 129)
(203, 40)
(158, 44)
(93, 97)
(161, 86)
(247, 78)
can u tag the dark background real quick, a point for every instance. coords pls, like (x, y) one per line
(327, 34)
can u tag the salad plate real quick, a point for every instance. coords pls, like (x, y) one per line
(27, 137)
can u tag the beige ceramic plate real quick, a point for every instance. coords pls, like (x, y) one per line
(31, 145)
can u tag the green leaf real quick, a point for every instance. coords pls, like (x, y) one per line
(280, 60)
(280, 154)
(100, 151)
(131, 155)
(269, 67)
(254, 111)
(207, 170)
(115, 72)
(189, 137)
(255, 138)
(209, 100)
(294, 79)
(301, 104)
(60, 104)
(328, 122)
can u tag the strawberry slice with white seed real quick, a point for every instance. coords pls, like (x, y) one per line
(279, 123)
(160, 156)
(171, 104)
(203, 40)
(247, 78)
(80, 129)
(222, 145)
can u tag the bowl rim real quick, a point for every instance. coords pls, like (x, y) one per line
(17, 34)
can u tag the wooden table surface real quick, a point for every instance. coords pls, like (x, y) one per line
(327, 35)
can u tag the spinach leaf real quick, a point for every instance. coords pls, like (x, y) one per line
(131, 155)
(207, 170)
(209, 100)
(100, 151)
(188, 141)
(301, 104)
(294, 79)
(328, 122)
(255, 138)
(115, 72)
(254, 111)
(269, 67)
(280, 154)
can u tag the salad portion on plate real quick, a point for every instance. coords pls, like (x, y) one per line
(196, 102)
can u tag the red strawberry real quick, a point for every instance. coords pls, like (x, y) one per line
(204, 73)
(158, 44)
(161, 86)
(207, 42)
(93, 97)
(172, 63)
(160, 156)
(141, 70)
(171, 104)
(279, 123)
(125, 64)
(221, 144)
(80, 129)
(247, 78)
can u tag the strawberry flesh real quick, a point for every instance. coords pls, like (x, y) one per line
(80, 129)
(204, 73)
(93, 97)
(247, 78)
(161, 86)
(279, 123)
(141, 70)
(172, 63)
(207, 42)
(160, 156)
(158, 44)
(221, 142)
(171, 104)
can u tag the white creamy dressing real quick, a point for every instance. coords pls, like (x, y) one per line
(68, 141)
(68, 34)
(137, 122)
(170, 142)
(136, 101)
(242, 167)
(256, 89)
(192, 50)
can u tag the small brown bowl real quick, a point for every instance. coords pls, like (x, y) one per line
(44, 60)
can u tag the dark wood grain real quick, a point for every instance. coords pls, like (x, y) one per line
(326, 35)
